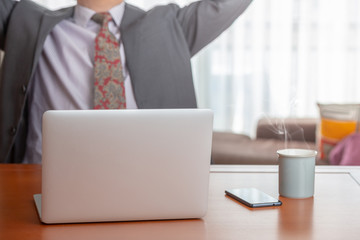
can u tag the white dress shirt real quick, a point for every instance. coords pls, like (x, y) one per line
(64, 78)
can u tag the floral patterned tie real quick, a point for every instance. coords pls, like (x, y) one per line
(109, 80)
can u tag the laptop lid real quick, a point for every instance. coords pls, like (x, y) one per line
(125, 165)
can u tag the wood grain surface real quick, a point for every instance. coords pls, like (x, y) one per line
(333, 213)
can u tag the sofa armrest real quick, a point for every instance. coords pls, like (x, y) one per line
(290, 129)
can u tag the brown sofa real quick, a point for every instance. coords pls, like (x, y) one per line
(232, 148)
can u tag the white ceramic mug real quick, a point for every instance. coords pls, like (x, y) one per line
(296, 173)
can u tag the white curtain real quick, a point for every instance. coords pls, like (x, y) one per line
(278, 59)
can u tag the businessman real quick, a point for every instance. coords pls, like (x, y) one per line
(99, 54)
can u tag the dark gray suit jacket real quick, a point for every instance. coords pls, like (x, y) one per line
(158, 46)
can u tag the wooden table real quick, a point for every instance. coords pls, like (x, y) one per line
(333, 213)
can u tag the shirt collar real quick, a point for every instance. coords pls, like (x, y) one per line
(82, 15)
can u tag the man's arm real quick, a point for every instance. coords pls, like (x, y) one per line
(205, 20)
(6, 7)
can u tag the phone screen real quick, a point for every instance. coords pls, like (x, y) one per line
(253, 197)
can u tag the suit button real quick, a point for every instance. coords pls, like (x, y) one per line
(23, 89)
(13, 131)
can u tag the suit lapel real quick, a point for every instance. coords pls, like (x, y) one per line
(36, 23)
(129, 31)
(47, 23)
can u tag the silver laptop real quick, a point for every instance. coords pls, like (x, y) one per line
(124, 165)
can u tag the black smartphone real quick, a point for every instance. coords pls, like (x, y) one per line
(253, 197)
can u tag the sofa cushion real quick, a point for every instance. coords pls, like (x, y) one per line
(296, 129)
(230, 148)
